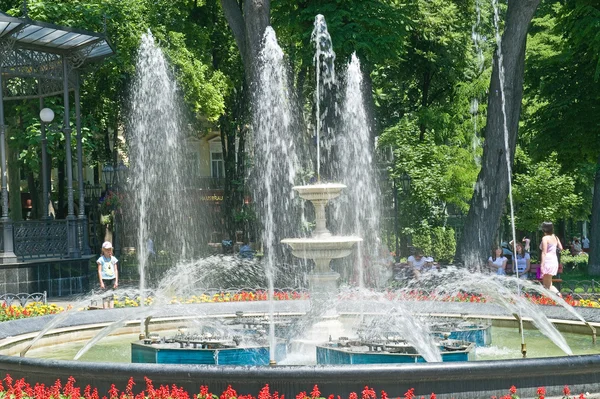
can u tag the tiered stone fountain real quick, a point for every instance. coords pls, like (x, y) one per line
(322, 246)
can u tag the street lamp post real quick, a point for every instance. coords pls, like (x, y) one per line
(46, 116)
(108, 172)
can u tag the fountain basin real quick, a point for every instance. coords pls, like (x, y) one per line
(320, 192)
(166, 353)
(479, 334)
(344, 352)
(322, 248)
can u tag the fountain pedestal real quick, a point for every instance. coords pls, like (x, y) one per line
(322, 246)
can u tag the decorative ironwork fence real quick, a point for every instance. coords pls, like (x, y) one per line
(581, 287)
(40, 239)
(23, 298)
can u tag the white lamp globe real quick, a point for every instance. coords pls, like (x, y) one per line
(47, 115)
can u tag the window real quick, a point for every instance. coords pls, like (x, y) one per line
(217, 164)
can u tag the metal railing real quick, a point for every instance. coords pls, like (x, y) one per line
(40, 239)
(585, 287)
(210, 183)
(23, 298)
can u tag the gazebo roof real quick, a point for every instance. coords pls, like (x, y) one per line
(35, 50)
(50, 38)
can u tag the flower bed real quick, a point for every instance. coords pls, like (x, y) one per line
(32, 309)
(39, 309)
(251, 296)
(225, 296)
(20, 389)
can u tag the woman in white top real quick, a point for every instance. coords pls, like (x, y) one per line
(419, 263)
(521, 262)
(497, 262)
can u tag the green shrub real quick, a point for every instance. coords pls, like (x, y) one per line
(439, 242)
(573, 262)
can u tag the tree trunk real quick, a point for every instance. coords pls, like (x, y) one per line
(248, 27)
(491, 188)
(594, 237)
(35, 198)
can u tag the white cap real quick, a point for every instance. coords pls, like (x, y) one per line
(107, 245)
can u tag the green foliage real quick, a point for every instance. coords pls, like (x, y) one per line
(438, 61)
(438, 242)
(364, 27)
(422, 239)
(441, 175)
(544, 193)
(562, 89)
(574, 262)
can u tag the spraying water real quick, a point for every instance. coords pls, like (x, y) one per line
(275, 156)
(358, 208)
(501, 290)
(156, 142)
(506, 145)
(325, 81)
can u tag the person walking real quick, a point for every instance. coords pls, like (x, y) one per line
(549, 259)
(108, 273)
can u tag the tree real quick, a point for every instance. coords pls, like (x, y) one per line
(504, 105)
(544, 193)
(564, 91)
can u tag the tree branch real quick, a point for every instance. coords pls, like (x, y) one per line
(234, 17)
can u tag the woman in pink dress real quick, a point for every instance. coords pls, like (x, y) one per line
(549, 259)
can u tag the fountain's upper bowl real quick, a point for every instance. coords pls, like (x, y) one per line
(324, 247)
(320, 192)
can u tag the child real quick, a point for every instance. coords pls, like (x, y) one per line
(108, 273)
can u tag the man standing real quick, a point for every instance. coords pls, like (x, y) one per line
(586, 244)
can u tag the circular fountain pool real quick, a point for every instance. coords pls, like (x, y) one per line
(486, 377)
(506, 345)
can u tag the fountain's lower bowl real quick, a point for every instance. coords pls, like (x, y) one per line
(333, 247)
(320, 192)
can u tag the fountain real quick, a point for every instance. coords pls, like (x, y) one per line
(408, 318)
(322, 246)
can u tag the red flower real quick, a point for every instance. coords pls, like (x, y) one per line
(513, 390)
(229, 393)
(432, 396)
(368, 393)
(203, 391)
(113, 392)
(541, 392)
(566, 390)
(129, 388)
(410, 394)
(301, 395)
(265, 393)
